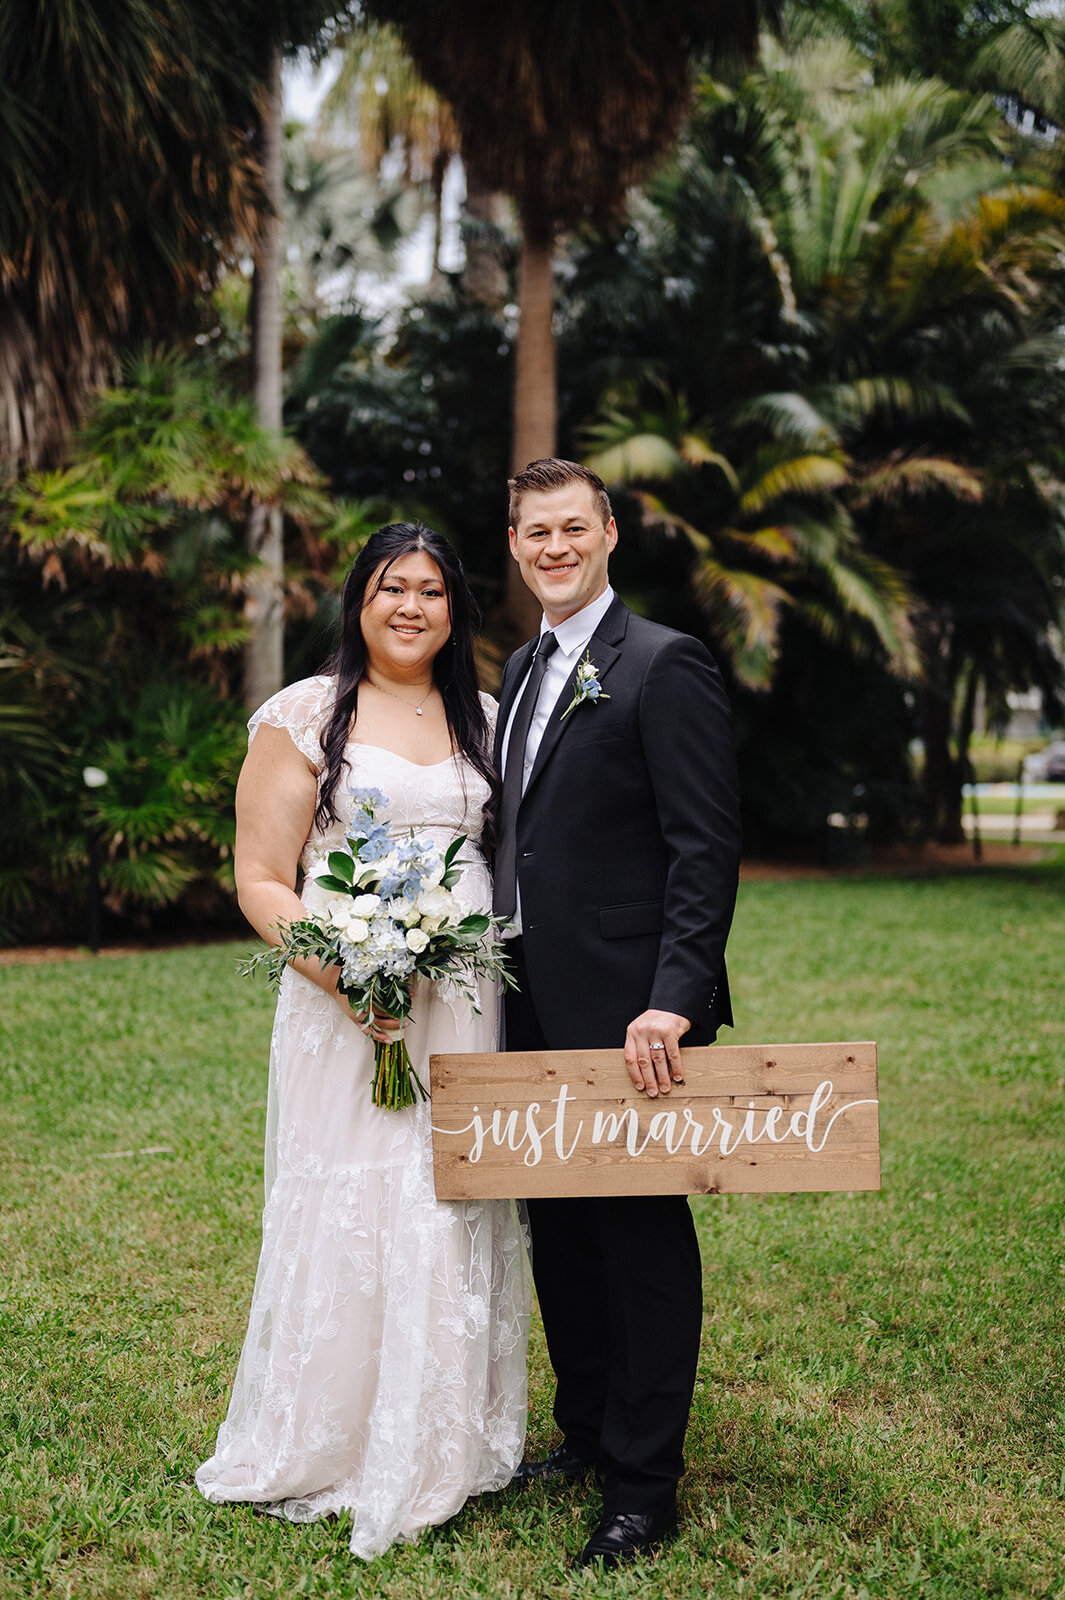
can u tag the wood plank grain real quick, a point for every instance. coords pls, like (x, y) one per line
(747, 1119)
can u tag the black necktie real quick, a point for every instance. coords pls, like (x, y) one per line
(505, 898)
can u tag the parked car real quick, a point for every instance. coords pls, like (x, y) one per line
(1047, 765)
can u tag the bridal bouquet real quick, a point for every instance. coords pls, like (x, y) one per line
(393, 918)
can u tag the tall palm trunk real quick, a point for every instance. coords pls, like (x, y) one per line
(484, 274)
(944, 771)
(535, 390)
(264, 595)
(941, 778)
(441, 162)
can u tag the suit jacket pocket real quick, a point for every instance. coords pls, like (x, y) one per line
(595, 726)
(625, 922)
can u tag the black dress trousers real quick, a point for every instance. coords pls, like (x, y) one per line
(619, 1281)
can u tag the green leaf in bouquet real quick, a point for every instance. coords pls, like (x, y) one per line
(342, 866)
(328, 881)
(251, 964)
(474, 926)
(272, 962)
(392, 997)
(452, 850)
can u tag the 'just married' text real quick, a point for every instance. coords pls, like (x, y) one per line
(746, 1119)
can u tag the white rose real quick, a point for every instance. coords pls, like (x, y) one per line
(340, 917)
(433, 924)
(358, 930)
(417, 940)
(402, 909)
(364, 905)
(438, 903)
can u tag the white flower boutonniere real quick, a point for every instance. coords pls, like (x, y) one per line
(587, 687)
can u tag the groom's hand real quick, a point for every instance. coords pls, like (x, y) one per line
(650, 1068)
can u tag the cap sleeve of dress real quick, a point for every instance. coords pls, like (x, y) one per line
(491, 711)
(302, 710)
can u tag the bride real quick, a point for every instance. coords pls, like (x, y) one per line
(383, 1370)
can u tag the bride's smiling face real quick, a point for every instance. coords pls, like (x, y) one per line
(406, 619)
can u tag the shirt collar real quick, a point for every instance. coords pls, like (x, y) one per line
(576, 631)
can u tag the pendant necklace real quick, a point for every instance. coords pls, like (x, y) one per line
(417, 709)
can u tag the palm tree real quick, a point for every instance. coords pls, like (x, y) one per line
(379, 90)
(122, 192)
(776, 533)
(861, 354)
(563, 107)
(338, 223)
(914, 38)
(937, 279)
(125, 195)
(395, 111)
(264, 596)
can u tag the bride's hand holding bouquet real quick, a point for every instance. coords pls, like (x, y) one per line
(393, 919)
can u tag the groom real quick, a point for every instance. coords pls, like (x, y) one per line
(619, 841)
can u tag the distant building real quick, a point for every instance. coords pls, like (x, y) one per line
(1026, 715)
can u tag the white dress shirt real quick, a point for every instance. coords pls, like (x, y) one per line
(573, 635)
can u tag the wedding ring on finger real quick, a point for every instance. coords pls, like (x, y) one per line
(658, 1046)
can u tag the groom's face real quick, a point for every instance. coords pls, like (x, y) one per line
(562, 548)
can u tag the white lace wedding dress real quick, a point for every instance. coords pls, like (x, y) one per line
(383, 1371)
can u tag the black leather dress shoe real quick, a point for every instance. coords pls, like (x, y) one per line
(560, 1465)
(626, 1536)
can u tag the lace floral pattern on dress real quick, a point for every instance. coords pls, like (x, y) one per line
(383, 1371)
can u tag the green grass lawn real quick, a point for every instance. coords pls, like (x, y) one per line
(881, 1404)
(994, 805)
(1003, 805)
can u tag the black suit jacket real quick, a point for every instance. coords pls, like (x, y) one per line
(628, 840)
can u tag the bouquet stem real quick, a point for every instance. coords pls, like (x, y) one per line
(395, 1080)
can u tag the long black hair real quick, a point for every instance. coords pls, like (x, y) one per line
(454, 673)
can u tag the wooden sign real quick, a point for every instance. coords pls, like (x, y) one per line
(748, 1119)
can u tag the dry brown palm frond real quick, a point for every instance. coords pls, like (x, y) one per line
(566, 106)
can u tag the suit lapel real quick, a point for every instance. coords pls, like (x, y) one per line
(604, 652)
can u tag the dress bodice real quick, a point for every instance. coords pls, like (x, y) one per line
(440, 801)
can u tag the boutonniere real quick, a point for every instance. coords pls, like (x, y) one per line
(587, 686)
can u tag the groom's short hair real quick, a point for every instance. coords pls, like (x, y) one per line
(553, 473)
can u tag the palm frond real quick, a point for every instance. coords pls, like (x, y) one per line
(1027, 58)
(640, 456)
(565, 153)
(889, 397)
(792, 419)
(776, 544)
(139, 186)
(808, 474)
(744, 611)
(900, 476)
